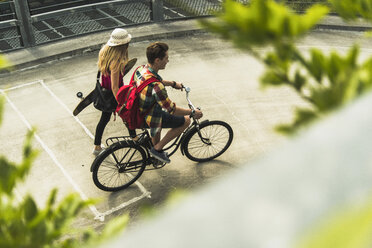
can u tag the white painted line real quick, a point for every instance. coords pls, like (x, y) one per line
(143, 189)
(67, 109)
(125, 204)
(231, 112)
(69, 78)
(53, 157)
(98, 215)
(20, 86)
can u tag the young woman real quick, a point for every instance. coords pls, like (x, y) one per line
(112, 59)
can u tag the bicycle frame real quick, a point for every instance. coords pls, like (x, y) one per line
(144, 139)
(126, 158)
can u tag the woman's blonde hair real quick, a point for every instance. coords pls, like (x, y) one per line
(112, 58)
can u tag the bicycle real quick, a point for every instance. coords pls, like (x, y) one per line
(125, 159)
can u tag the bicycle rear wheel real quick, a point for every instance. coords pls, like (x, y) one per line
(118, 166)
(214, 139)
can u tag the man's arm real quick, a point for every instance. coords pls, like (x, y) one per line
(173, 84)
(163, 99)
(184, 111)
(165, 102)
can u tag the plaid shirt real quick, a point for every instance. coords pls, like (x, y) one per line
(153, 98)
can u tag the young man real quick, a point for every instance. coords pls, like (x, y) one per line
(154, 100)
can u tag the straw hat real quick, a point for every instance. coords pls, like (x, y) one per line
(119, 37)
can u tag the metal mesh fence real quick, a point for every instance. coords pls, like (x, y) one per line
(53, 20)
(45, 6)
(89, 21)
(302, 5)
(9, 38)
(6, 11)
(194, 7)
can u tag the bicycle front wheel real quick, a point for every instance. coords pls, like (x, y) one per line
(213, 139)
(118, 166)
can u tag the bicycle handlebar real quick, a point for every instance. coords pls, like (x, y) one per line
(187, 90)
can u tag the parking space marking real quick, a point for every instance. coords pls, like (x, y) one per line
(98, 215)
(67, 109)
(52, 156)
(20, 86)
(127, 203)
(140, 186)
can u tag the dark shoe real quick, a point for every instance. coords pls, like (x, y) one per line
(159, 155)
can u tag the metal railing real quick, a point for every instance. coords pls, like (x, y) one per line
(28, 23)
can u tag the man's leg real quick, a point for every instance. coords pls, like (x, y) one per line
(177, 125)
(171, 134)
(156, 138)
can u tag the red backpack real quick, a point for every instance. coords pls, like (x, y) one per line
(128, 101)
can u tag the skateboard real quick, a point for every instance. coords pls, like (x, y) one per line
(86, 101)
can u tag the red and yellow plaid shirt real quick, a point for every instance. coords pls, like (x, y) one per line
(153, 98)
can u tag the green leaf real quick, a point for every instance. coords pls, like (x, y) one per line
(4, 63)
(8, 176)
(273, 78)
(317, 64)
(39, 233)
(50, 203)
(312, 16)
(299, 81)
(302, 119)
(30, 209)
(15, 230)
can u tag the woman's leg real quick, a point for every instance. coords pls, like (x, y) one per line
(105, 118)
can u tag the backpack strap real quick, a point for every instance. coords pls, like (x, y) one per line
(147, 82)
(144, 84)
(132, 81)
(98, 75)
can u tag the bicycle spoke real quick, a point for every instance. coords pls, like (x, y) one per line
(117, 166)
(211, 141)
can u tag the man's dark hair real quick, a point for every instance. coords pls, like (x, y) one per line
(156, 50)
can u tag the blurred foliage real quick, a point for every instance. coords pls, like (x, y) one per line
(353, 9)
(324, 81)
(23, 224)
(172, 199)
(4, 64)
(350, 228)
